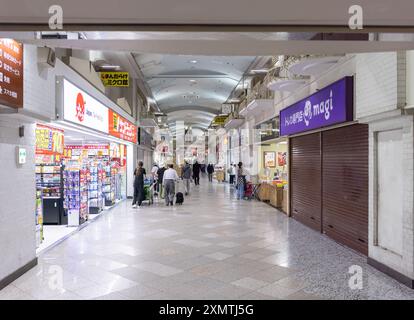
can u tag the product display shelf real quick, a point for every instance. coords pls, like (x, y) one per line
(49, 180)
(39, 218)
(109, 185)
(76, 195)
(96, 198)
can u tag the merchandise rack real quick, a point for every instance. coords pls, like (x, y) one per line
(96, 198)
(109, 185)
(76, 195)
(49, 179)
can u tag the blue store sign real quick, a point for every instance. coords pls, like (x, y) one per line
(331, 105)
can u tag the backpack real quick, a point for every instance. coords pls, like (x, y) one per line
(179, 198)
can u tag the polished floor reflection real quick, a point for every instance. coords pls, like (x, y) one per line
(212, 247)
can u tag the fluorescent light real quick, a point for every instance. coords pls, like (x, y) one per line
(109, 66)
(193, 61)
(260, 70)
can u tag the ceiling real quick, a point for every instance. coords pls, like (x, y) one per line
(212, 12)
(192, 88)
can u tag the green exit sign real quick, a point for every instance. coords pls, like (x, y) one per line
(21, 155)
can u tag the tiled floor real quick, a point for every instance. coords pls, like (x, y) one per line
(212, 247)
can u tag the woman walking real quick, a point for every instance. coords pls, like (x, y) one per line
(240, 184)
(139, 194)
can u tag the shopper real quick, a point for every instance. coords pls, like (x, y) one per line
(139, 194)
(154, 176)
(168, 181)
(232, 173)
(210, 171)
(240, 184)
(160, 174)
(186, 174)
(196, 173)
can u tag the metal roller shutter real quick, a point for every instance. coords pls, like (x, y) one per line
(305, 180)
(345, 185)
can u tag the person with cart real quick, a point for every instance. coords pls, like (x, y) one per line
(168, 181)
(139, 193)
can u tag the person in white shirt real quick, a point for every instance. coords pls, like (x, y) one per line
(154, 176)
(168, 181)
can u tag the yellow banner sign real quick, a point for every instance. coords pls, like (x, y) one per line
(220, 120)
(115, 79)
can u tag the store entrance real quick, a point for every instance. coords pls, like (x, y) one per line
(78, 177)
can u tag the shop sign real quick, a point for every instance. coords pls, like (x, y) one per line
(220, 120)
(88, 147)
(49, 140)
(115, 79)
(121, 128)
(268, 130)
(11, 73)
(81, 108)
(330, 105)
(114, 150)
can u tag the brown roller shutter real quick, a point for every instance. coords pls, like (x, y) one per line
(345, 185)
(305, 180)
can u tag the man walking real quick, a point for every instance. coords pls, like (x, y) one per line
(186, 176)
(196, 173)
(168, 181)
(210, 171)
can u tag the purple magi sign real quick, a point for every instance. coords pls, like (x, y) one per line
(331, 105)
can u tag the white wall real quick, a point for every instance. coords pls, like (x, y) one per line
(393, 250)
(17, 197)
(40, 86)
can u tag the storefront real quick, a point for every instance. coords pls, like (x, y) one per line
(272, 164)
(328, 160)
(81, 163)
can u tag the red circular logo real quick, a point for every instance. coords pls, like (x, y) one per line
(80, 107)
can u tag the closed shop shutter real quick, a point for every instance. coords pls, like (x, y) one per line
(305, 180)
(345, 185)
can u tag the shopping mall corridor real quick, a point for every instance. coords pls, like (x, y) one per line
(212, 247)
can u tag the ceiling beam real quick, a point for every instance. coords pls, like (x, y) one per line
(230, 47)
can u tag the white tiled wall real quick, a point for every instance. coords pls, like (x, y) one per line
(39, 91)
(17, 197)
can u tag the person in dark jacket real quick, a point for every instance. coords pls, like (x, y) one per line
(196, 173)
(139, 194)
(160, 174)
(210, 171)
(186, 176)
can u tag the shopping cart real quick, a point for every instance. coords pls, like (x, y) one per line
(149, 186)
(248, 191)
